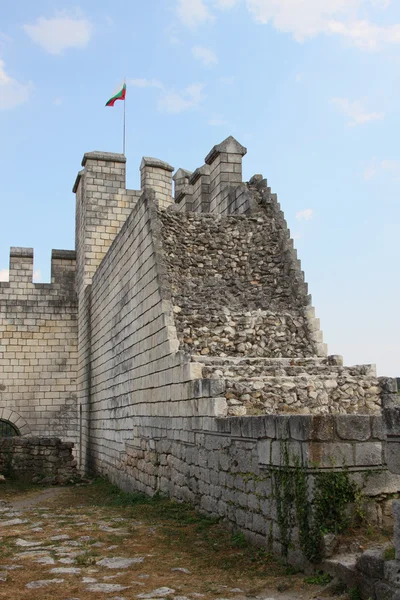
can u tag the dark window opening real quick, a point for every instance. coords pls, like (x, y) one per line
(7, 429)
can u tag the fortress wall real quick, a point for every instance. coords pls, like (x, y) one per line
(38, 347)
(135, 369)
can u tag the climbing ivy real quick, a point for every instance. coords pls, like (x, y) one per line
(316, 512)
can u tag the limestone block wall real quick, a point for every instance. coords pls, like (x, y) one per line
(38, 460)
(135, 366)
(102, 206)
(38, 347)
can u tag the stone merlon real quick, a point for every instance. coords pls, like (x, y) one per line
(230, 146)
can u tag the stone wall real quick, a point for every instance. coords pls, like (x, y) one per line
(38, 347)
(232, 290)
(135, 368)
(38, 460)
(227, 466)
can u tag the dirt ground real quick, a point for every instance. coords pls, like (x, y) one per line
(95, 542)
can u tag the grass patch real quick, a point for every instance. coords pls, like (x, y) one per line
(104, 493)
(319, 578)
(389, 554)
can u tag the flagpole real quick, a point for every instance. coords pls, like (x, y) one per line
(123, 152)
(124, 120)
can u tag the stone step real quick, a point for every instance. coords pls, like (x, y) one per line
(256, 370)
(333, 360)
(324, 394)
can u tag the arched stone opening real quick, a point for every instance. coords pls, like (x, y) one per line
(8, 429)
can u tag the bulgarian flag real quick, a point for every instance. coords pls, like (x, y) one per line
(119, 94)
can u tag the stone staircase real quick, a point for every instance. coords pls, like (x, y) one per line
(294, 385)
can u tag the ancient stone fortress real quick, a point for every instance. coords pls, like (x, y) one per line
(178, 349)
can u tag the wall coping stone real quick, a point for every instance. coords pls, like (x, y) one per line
(17, 251)
(148, 161)
(204, 170)
(77, 180)
(64, 254)
(229, 145)
(106, 156)
(181, 173)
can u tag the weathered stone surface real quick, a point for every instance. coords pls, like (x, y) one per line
(119, 562)
(33, 585)
(355, 427)
(158, 593)
(106, 588)
(372, 563)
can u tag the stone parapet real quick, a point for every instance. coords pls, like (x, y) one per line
(156, 175)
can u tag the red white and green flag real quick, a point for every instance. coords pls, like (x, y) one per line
(119, 94)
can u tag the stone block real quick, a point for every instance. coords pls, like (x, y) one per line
(264, 449)
(377, 428)
(392, 455)
(372, 563)
(392, 572)
(328, 455)
(383, 591)
(396, 516)
(368, 454)
(270, 426)
(282, 427)
(353, 427)
(323, 429)
(300, 427)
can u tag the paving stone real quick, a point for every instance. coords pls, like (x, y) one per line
(117, 562)
(181, 570)
(45, 560)
(56, 538)
(66, 570)
(26, 544)
(106, 588)
(66, 561)
(13, 522)
(32, 585)
(158, 593)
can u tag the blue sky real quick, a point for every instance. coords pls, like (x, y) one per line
(311, 88)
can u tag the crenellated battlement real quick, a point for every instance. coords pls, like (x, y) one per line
(21, 272)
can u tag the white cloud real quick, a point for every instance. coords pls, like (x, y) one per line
(4, 274)
(12, 93)
(176, 102)
(60, 32)
(296, 236)
(174, 40)
(299, 77)
(309, 18)
(370, 171)
(146, 83)
(37, 276)
(217, 120)
(193, 13)
(391, 166)
(205, 55)
(225, 4)
(305, 214)
(58, 101)
(356, 111)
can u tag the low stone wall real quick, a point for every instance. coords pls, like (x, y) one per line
(38, 460)
(232, 467)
